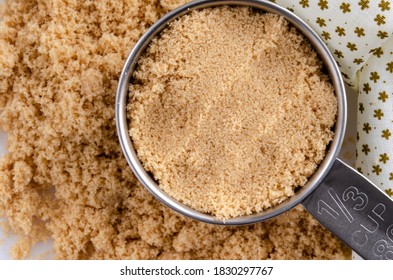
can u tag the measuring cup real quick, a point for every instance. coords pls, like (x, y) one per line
(339, 197)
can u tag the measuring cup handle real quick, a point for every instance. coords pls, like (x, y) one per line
(355, 210)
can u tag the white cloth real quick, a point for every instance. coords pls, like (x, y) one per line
(359, 34)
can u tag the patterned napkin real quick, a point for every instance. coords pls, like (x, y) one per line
(359, 33)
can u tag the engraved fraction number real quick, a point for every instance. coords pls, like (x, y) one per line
(360, 198)
(324, 207)
(351, 193)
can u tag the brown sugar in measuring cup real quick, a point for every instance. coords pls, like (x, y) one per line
(236, 126)
(339, 197)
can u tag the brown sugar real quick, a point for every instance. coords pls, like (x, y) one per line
(230, 110)
(65, 177)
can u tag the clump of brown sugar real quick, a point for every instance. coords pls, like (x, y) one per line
(65, 177)
(230, 110)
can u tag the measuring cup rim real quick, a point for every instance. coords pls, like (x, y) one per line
(148, 182)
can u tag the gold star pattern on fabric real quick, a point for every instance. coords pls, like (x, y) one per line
(366, 127)
(389, 192)
(323, 4)
(366, 88)
(338, 53)
(380, 19)
(321, 22)
(304, 3)
(383, 96)
(326, 35)
(389, 67)
(384, 158)
(366, 149)
(352, 47)
(359, 32)
(386, 134)
(384, 5)
(377, 169)
(378, 114)
(374, 76)
(364, 4)
(361, 108)
(340, 31)
(378, 52)
(382, 34)
(345, 7)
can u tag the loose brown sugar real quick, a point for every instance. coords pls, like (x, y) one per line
(64, 176)
(230, 110)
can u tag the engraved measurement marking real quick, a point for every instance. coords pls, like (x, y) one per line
(324, 207)
(382, 249)
(389, 232)
(354, 194)
(377, 211)
(368, 229)
(357, 238)
(382, 208)
(340, 205)
(350, 193)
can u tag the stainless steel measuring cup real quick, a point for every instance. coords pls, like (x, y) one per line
(343, 200)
